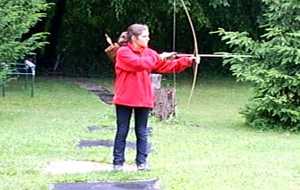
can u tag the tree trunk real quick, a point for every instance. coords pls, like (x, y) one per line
(50, 54)
(164, 105)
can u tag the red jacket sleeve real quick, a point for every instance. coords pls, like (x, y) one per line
(170, 66)
(129, 61)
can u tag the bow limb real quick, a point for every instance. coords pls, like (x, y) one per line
(196, 52)
(108, 39)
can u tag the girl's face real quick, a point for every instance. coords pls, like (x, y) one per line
(142, 39)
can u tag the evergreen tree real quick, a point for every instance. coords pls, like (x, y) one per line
(17, 17)
(274, 67)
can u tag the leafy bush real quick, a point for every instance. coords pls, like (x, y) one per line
(274, 67)
(16, 19)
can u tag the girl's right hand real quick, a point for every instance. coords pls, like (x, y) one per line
(167, 55)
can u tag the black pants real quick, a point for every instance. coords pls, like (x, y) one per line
(123, 123)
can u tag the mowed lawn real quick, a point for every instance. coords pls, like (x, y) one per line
(207, 146)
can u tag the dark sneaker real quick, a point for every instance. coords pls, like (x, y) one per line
(118, 168)
(142, 167)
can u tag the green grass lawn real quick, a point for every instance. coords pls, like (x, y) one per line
(207, 146)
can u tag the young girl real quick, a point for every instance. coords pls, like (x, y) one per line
(133, 93)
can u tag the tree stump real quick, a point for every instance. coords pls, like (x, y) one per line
(164, 105)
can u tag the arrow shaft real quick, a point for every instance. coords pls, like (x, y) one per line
(212, 55)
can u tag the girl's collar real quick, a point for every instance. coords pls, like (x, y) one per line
(135, 49)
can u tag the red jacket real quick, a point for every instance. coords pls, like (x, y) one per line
(133, 68)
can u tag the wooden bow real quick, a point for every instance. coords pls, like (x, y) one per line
(196, 52)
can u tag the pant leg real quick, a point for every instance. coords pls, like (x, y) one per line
(141, 120)
(123, 123)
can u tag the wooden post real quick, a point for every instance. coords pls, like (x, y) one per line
(164, 105)
(3, 88)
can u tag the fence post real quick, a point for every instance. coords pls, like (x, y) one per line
(32, 86)
(3, 88)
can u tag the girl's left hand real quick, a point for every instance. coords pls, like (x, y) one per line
(195, 59)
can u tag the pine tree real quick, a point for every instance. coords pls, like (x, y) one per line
(273, 69)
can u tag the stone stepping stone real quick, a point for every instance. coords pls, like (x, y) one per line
(152, 184)
(94, 128)
(103, 93)
(104, 96)
(107, 143)
(75, 167)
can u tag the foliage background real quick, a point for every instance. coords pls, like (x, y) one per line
(78, 27)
